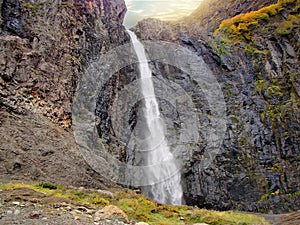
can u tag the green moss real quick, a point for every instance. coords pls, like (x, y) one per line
(274, 90)
(221, 45)
(97, 200)
(240, 27)
(285, 28)
(140, 208)
(276, 168)
(30, 8)
(262, 116)
(234, 119)
(47, 186)
(243, 140)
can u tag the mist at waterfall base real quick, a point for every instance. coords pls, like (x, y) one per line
(155, 153)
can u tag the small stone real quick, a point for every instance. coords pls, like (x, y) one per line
(111, 212)
(106, 193)
(181, 218)
(81, 189)
(17, 212)
(82, 209)
(138, 191)
(90, 211)
(34, 215)
(9, 212)
(16, 203)
(141, 223)
(200, 224)
(77, 212)
(76, 218)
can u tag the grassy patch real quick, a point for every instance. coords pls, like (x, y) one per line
(140, 208)
(287, 26)
(240, 26)
(47, 186)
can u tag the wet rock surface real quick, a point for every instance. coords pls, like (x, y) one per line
(257, 166)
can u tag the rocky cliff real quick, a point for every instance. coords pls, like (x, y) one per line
(253, 49)
(45, 47)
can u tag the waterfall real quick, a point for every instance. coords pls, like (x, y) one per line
(158, 153)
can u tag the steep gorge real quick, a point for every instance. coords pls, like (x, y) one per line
(46, 47)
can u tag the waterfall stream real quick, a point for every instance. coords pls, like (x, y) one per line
(158, 153)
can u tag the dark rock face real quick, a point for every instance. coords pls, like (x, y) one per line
(14, 18)
(34, 149)
(258, 165)
(45, 47)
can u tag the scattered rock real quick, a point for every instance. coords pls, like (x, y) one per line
(200, 224)
(81, 189)
(111, 212)
(17, 212)
(141, 223)
(34, 215)
(106, 193)
(76, 218)
(138, 191)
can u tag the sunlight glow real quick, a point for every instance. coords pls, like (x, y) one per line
(164, 10)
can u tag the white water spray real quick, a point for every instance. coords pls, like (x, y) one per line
(158, 158)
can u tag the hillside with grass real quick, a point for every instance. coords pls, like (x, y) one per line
(126, 207)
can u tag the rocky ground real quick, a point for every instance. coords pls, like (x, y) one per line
(27, 206)
(33, 148)
(46, 203)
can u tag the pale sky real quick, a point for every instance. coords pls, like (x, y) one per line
(165, 10)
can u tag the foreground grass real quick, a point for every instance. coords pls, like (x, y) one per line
(139, 208)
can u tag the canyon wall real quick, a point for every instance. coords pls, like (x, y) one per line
(253, 50)
(45, 48)
(254, 55)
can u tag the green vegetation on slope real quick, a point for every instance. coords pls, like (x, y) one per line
(140, 208)
(240, 26)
